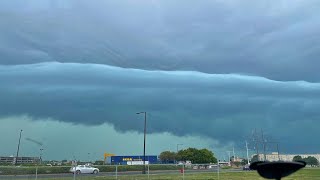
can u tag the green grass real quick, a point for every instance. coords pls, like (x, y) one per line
(305, 174)
(12, 170)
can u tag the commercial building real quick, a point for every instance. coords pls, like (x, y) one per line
(20, 160)
(132, 160)
(286, 157)
(237, 159)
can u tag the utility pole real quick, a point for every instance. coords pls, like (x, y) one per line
(39, 144)
(75, 167)
(41, 149)
(264, 145)
(229, 153)
(144, 141)
(234, 156)
(255, 139)
(177, 151)
(247, 152)
(18, 148)
(278, 151)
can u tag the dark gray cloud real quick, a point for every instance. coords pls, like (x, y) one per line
(277, 40)
(222, 107)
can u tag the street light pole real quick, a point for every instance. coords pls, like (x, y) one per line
(18, 148)
(144, 141)
(41, 149)
(247, 152)
(229, 152)
(177, 151)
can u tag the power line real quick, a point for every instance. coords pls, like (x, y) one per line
(34, 141)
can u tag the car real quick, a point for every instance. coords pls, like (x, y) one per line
(212, 166)
(246, 168)
(84, 169)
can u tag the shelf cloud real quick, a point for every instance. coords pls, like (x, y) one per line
(217, 106)
(215, 69)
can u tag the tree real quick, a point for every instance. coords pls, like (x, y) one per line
(65, 162)
(312, 161)
(244, 162)
(98, 163)
(167, 156)
(237, 163)
(297, 158)
(196, 156)
(255, 158)
(206, 156)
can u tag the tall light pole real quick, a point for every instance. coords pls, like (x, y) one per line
(247, 152)
(229, 152)
(18, 148)
(41, 149)
(234, 155)
(177, 151)
(264, 145)
(144, 141)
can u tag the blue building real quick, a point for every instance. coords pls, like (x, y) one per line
(132, 160)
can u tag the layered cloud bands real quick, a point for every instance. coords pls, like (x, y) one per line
(223, 107)
(273, 39)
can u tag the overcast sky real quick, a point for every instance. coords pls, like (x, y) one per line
(74, 73)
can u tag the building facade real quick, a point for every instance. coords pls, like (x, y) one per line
(286, 157)
(132, 160)
(20, 160)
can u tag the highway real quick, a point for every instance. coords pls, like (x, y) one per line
(157, 172)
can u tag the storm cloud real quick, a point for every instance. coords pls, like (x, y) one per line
(217, 106)
(273, 39)
(211, 69)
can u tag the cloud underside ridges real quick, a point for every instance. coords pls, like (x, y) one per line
(61, 140)
(224, 107)
(104, 44)
(277, 40)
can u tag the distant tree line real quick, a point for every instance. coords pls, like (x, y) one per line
(310, 160)
(196, 156)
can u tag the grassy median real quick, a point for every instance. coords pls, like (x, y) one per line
(305, 174)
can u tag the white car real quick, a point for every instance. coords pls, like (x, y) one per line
(84, 169)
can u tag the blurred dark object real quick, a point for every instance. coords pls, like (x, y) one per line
(276, 170)
(246, 168)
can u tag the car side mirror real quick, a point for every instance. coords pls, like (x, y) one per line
(276, 170)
